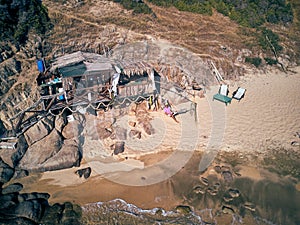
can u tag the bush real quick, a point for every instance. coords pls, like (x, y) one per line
(250, 13)
(270, 61)
(268, 38)
(137, 6)
(255, 61)
(17, 18)
(195, 6)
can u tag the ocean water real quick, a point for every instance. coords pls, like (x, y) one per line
(261, 202)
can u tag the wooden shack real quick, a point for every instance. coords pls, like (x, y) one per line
(84, 78)
(136, 79)
(83, 70)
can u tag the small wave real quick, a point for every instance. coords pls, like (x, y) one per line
(120, 211)
(126, 210)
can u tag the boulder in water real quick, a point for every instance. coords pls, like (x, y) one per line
(183, 209)
(227, 176)
(227, 210)
(234, 193)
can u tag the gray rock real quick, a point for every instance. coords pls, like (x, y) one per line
(41, 151)
(16, 221)
(119, 147)
(31, 196)
(2, 127)
(39, 131)
(20, 173)
(68, 156)
(121, 133)
(22, 147)
(60, 122)
(72, 130)
(85, 172)
(31, 210)
(8, 200)
(227, 176)
(6, 172)
(16, 187)
(70, 214)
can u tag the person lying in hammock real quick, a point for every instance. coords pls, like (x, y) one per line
(169, 112)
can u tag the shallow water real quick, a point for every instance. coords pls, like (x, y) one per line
(277, 202)
(224, 194)
(272, 203)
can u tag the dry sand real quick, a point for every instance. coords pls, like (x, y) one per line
(269, 115)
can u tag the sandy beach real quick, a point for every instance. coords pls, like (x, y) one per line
(268, 116)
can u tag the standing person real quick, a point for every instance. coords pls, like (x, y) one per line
(153, 102)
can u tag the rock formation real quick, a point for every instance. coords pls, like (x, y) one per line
(31, 208)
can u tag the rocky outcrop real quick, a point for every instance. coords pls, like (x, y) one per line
(6, 172)
(2, 128)
(39, 130)
(41, 151)
(72, 130)
(68, 156)
(64, 214)
(31, 208)
(22, 147)
(8, 70)
(12, 188)
(52, 152)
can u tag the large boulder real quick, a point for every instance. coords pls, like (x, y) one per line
(22, 147)
(66, 213)
(31, 209)
(68, 156)
(60, 122)
(2, 127)
(12, 188)
(41, 151)
(31, 196)
(13, 156)
(39, 131)
(8, 200)
(72, 130)
(6, 172)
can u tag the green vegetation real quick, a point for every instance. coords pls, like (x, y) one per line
(135, 5)
(20, 17)
(269, 40)
(270, 61)
(249, 13)
(255, 61)
(195, 6)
